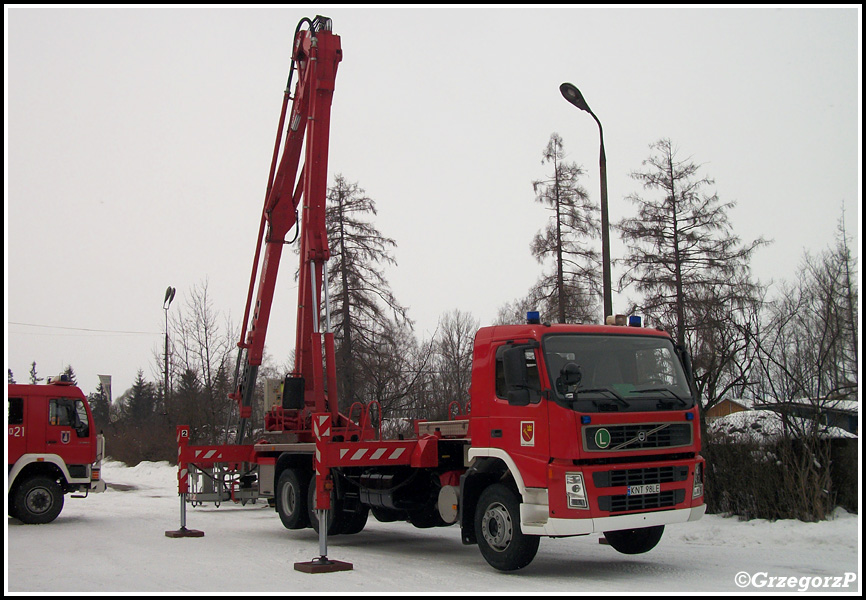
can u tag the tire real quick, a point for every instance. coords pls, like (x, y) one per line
(335, 524)
(291, 499)
(37, 500)
(355, 521)
(497, 529)
(635, 541)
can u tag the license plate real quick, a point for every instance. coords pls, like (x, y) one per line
(639, 490)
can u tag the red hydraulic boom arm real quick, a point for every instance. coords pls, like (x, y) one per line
(316, 55)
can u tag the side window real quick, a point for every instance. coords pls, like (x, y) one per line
(82, 426)
(60, 412)
(69, 412)
(16, 411)
(531, 371)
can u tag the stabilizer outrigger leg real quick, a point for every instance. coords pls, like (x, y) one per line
(183, 487)
(183, 531)
(322, 564)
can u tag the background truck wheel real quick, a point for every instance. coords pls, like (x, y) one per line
(291, 500)
(635, 541)
(37, 500)
(497, 529)
(335, 523)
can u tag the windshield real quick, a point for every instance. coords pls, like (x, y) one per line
(592, 373)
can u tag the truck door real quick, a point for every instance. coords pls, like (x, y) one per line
(68, 431)
(16, 440)
(522, 430)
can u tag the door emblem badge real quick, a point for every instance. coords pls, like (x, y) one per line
(527, 433)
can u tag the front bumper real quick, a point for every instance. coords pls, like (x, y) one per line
(534, 521)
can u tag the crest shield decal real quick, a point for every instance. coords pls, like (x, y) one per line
(527, 433)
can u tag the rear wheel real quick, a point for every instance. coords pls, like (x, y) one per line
(497, 529)
(291, 499)
(37, 500)
(635, 541)
(354, 521)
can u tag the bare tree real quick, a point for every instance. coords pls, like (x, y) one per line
(200, 359)
(570, 293)
(681, 244)
(454, 357)
(691, 271)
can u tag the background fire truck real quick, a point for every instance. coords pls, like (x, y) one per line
(53, 449)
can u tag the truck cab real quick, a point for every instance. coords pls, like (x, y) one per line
(585, 428)
(54, 449)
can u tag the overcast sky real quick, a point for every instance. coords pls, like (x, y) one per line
(138, 143)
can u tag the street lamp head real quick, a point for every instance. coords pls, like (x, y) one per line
(573, 95)
(169, 296)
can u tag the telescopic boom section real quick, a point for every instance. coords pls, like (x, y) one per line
(316, 56)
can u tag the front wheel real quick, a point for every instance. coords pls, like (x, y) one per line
(37, 500)
(497, 529)
(635, 541)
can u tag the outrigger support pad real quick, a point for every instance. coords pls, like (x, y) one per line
(183, 531)
(323, 565)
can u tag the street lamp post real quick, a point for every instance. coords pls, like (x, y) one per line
(169, 296)
(573, 95)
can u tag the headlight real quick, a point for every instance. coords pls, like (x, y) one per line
(575, 491)
(698, 485)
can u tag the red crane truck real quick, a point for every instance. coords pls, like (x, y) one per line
(570, 430)
(53, 449)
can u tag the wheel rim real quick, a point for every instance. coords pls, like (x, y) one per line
(38, 500)
(496, 527)
(289, 499)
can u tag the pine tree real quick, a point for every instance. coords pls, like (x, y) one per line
(571, 291)
(362, 302)
(34, 379)
(99, 406)
(140, 400)
(70, 374)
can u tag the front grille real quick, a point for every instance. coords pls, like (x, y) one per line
(642, 436)
(666, 474)
(625, 502)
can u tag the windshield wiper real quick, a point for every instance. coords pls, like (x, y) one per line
(661, 389)
(602, 390)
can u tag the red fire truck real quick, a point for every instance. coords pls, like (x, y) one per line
(53, 449)
(570, 430)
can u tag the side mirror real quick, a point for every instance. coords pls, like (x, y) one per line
(571, 374)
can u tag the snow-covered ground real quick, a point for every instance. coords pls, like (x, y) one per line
(115, 542)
